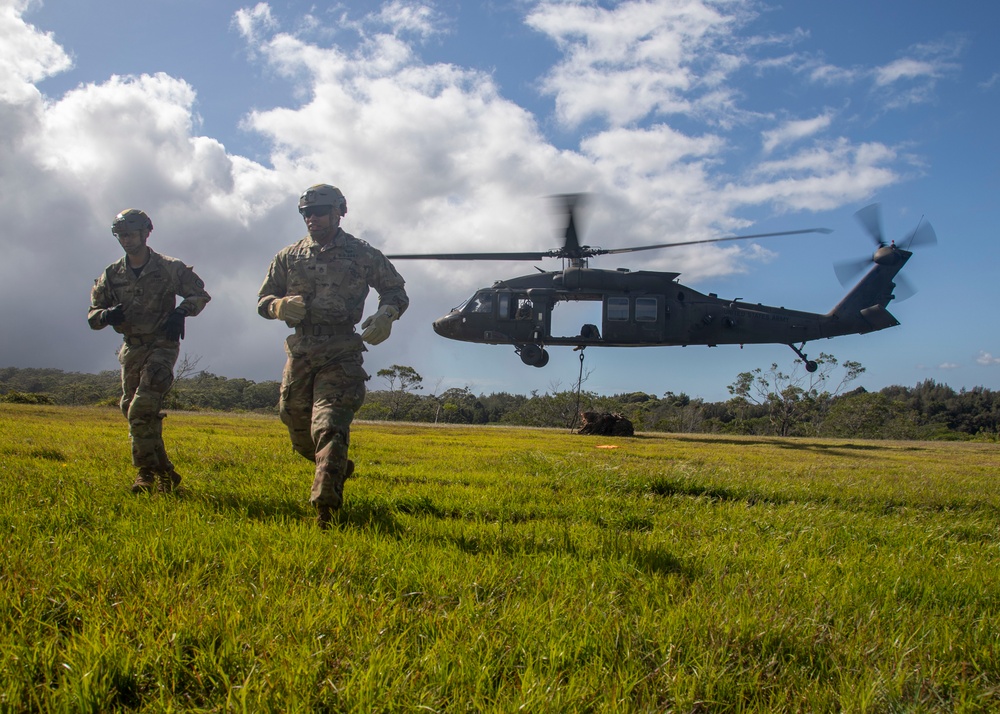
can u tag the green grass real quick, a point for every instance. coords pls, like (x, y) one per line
(495, 570)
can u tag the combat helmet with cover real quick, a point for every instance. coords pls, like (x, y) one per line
(323, 194)
(131, 219)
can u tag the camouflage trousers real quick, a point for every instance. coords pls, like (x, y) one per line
(147, 375)
(322, 387)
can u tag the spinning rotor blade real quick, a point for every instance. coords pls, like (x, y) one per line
(922, 235)
(870, 217)
(571, 248)
(574, 249)
(473, 256)
(848, 270)
(904, 288)
(569, 203)
(617, 251)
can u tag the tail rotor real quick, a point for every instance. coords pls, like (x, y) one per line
(870, 218)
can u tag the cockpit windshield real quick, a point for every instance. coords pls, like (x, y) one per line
(480, 302)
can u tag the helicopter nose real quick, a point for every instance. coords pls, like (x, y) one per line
(447, 326)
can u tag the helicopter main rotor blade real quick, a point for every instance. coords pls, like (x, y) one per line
(870, 217)
(472, 256)
(617, 251)
(569, 202)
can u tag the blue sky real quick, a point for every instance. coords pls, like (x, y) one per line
(446, 124)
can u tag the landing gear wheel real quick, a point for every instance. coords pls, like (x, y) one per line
(534, 355)
(811, 365)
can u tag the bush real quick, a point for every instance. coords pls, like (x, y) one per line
(25, 398)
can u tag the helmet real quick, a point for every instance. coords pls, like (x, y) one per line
(131, 219)
(323, 194)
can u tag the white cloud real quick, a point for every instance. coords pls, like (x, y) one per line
(27, 55)
(640, 57)
(821, 177)
(256, 22)
(795, 130)
(985, 359)
(432, 158)
(830, 74)
(418, 18)
(904, 68)
(913, 78)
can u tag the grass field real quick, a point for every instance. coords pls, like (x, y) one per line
(495, 570)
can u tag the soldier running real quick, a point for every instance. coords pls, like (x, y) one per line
(137, 296)
(318, 286)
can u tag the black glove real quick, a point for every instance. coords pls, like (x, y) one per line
(113, 316)
(174, 325)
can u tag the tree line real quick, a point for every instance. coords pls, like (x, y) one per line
(762, 402)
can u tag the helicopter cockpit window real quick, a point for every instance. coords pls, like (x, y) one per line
(645, 309)
(618, 308)
(481, 302)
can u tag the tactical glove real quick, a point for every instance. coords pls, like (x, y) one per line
(174, 326)
(376, 328)
(291, 309)
(113, 316)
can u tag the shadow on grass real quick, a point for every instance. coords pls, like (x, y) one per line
(670, 487)
(795, 445)
(356, 513)
(651, 559)
(249, 506)
(368, 515)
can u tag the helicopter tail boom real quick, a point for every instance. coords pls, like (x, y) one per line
(863, 309)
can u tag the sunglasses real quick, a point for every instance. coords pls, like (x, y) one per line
(310, 211)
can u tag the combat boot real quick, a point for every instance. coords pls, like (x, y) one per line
(324, 515)
(324, 512)
(145, 481)
(168, 482)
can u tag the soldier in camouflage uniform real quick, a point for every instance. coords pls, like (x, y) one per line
(137, 297)
(318, 287)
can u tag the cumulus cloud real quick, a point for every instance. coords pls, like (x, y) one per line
(432, 158)
(623, 63)
(28, 55)
(985, 359)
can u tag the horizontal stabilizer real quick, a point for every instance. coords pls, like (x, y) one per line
(878, 317)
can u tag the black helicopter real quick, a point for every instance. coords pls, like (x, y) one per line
(646, 308)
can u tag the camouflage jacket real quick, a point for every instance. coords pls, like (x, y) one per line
(334, 280)
(148, 299)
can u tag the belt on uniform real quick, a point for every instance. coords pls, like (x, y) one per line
(322, 330)
(141, 341)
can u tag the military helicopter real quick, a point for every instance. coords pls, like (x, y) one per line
(646, 308)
